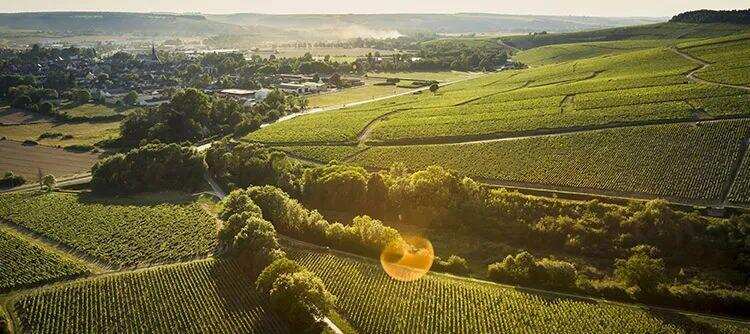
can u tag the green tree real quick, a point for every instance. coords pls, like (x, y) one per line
(302, 298)
(640, 270)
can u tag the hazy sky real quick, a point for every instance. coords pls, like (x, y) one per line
(569, 7)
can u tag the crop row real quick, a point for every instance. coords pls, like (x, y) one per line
(402, 127)
(740, 191)
(207, 296)
(322, 153)
(375, 303)
(24, 264)
(121, 232)
(678, 160)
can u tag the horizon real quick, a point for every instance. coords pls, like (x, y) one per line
(583, 8)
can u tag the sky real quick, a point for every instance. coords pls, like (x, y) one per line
(619, 8)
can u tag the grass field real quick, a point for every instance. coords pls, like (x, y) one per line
(206, 296)
(91, 111)
(445, 76)
(354, 94)
(83, 133)
(24, 264)
(141, 230)
(375, 303)
(27, 160)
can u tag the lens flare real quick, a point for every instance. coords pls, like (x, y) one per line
(407, 259)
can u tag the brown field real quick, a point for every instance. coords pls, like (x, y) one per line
(25, 160)
(83, 133)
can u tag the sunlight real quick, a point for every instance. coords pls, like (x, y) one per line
(407, 259)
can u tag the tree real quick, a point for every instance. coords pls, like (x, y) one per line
(46, 108)
(302, 298)
(22, 102)
(640, 270)
(131, 98)
(48, 182)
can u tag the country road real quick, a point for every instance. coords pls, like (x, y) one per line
(703, 65)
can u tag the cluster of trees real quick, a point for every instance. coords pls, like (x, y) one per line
(293, 292)
(191, 115)
(738, 16)
(153, 167)
(440, 55)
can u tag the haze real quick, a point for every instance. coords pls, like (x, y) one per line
(573, 7)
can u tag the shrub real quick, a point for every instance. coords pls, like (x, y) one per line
(50, 135)
(11, 180)
(526, 270)
(640, 270)
(79, 148)
(454, 265)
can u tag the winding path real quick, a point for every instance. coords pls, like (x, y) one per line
(703, 65)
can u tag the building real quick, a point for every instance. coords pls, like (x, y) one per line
(246, 96)
(302, 88)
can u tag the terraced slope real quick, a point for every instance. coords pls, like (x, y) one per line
(117, 232)
(640, 84)
(206, 296)
(375, 303)
(24, 264)
(683, 161)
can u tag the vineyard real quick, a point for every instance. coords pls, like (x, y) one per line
(630, 82)
(322, 153)
(24, 264)
(680, 160)
(206, 296)
(730, 61)
(740, 191)
(375, 303)
(118, 232)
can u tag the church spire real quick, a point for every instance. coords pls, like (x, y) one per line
(154, 56)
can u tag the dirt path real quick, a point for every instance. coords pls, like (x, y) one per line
(703, 65)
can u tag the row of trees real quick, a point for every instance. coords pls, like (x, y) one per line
(294, 292)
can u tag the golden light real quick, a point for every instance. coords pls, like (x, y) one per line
(407, 259)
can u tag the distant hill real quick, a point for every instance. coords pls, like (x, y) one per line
(714, 16)
(116, 23)
(443, 23)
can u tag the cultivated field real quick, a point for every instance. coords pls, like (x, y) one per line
(197, 297)
(119, 232)
(625, 111)
(27, 160)
(354, 94)
(25, 264)
(375, 303)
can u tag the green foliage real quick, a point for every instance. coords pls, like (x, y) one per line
(365, 235)
(524, 269)
(454, 265)
(26, 265)
(153, 167)
(641, 270)
(122, 232)
(48, 182)
(207, 295)
(302, 298)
